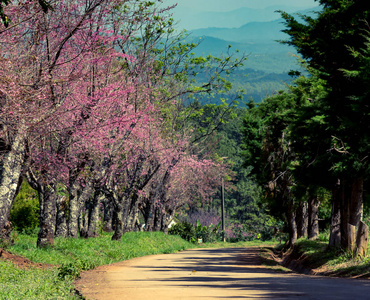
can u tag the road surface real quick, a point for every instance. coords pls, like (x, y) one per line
(231, 273)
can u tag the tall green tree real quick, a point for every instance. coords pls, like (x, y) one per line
(324, 43)
(268, 150)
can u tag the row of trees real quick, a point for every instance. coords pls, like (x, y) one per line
(314, 139)
(93, 115)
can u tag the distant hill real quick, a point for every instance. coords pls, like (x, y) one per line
(248, 33)
(268, 61)
(266, 56)
(231, 19)
(257, 85)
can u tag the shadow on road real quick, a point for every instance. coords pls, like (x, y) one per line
(240, 269)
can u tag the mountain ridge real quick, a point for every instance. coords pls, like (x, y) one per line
(233, 18)
(258, 41)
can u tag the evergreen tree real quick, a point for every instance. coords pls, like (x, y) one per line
(325, 43)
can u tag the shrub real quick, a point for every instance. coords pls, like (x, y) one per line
(72, 270)
(238, 233)
(193, 233)
(24, 213)
(185, 230)
(208, 234)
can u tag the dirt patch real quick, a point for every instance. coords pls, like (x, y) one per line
(21, 262)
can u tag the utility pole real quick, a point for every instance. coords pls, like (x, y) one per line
(223, 210)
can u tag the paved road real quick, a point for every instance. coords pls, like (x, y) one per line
(232, 273)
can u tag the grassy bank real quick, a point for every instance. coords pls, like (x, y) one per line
(332, 262)
(98, 251)
(33, 283)
(69, 257)
(317, 257)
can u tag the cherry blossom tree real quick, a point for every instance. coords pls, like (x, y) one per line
(50, 65)
(91, 103)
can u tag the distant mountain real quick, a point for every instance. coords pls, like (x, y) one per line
(257, 85)
(251, 31)
(268, 62)
(248, 33)
(258, 40)
(231, 19)
(266, 56)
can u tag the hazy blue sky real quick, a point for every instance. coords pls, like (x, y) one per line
(193, 13)
(227, 5)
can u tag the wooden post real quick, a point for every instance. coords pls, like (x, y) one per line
(223, 210)
(362, 239)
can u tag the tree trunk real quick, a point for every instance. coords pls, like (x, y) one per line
(76, 201)
(344, 213)
(83, 221)
(313, 218)
(11, 169)
(362, 240)
(61, 229)
(335, 234)
(292, 226)
(133, 213)
(356, 205)
(166, 219)
(126, 212)
(47, 196)
(73, 211)
(149, 214)
(94, 211)
(118, 224)
(108, 215)
(158, 219)
(302, 220)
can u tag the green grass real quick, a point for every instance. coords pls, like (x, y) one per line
(335, 261)
(98, 251)
(33, 283)
(70, 256)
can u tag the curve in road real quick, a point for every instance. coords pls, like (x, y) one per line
(230, 273)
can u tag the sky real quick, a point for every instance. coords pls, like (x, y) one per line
(187, 11)
(227, 5)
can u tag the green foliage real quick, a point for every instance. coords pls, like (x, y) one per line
(4, 17)
(185, 230)
(193, 233)
(208, 234)
(335, 46)
(264, 228)
(324, 236)
(267, 150)
(324, 197)
(72, 270)
(69, 270)
(24, 213)
(242, 198)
